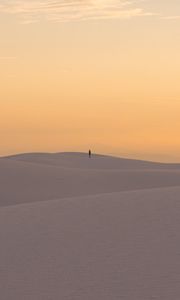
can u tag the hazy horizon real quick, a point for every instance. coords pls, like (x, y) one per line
(100, 74)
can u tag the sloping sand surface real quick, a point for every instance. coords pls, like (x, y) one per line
(107, 247)
(35, 177)
(74, 228)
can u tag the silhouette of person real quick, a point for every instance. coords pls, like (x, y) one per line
(89, 153)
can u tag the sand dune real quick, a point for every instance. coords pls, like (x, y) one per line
(78, 228)
(36, 177)
(113, 246)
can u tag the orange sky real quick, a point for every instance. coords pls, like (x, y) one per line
(102, 80)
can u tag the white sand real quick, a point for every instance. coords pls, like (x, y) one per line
(117, 237)
(36, 177)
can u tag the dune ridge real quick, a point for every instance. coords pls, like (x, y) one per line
(98, 161)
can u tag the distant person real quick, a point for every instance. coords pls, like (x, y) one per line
(90, 153)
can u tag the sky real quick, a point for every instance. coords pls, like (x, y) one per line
(99, 74)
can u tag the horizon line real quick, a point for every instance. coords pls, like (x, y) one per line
(93, 154)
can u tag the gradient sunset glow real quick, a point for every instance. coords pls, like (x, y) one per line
(93, 74)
